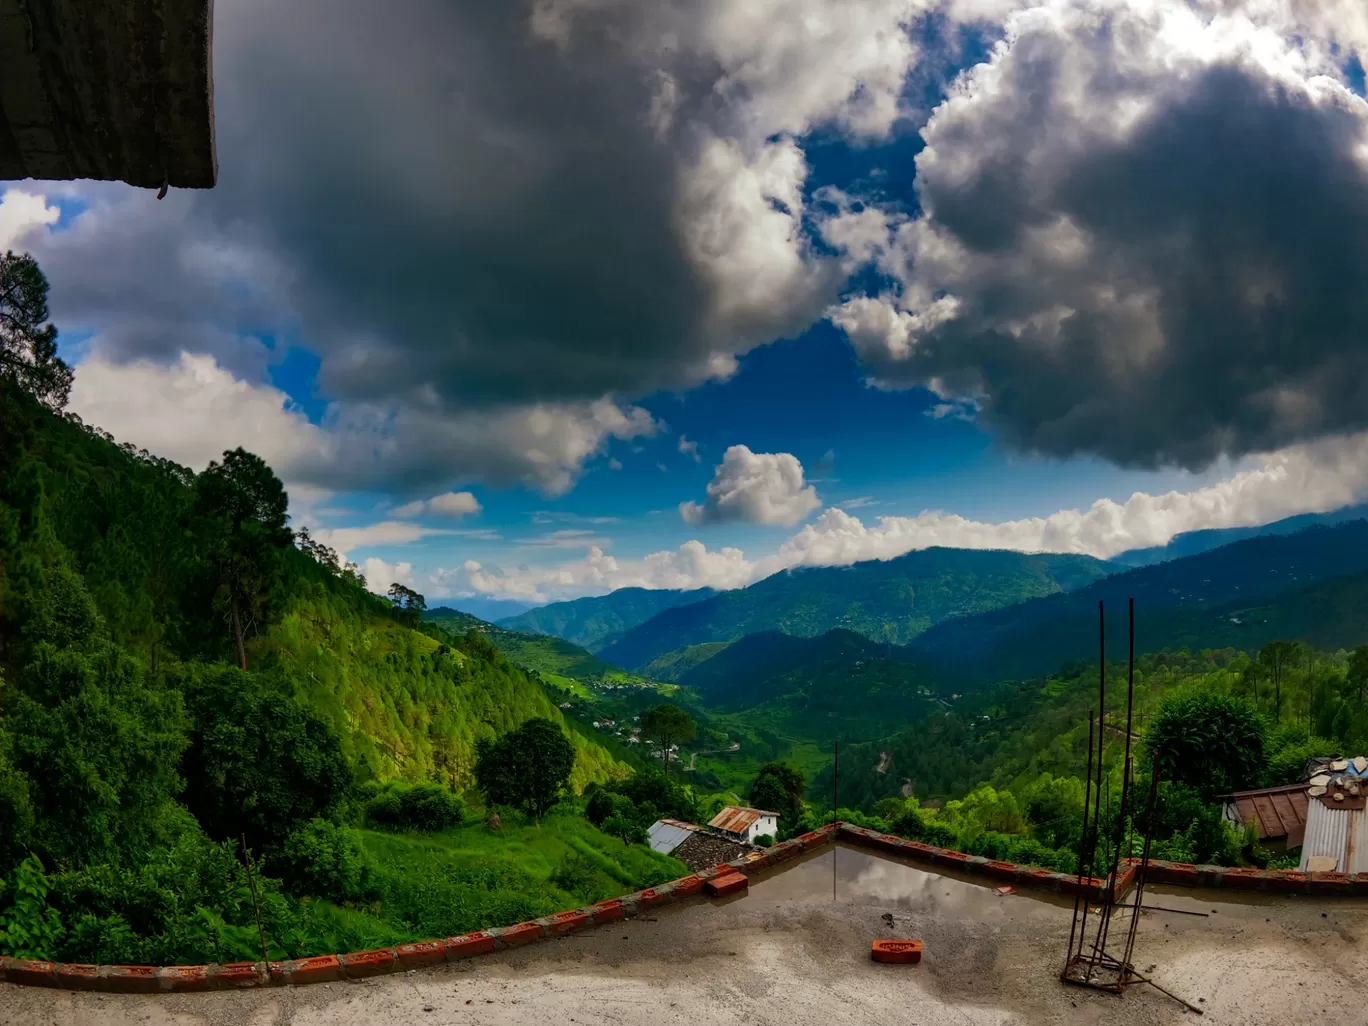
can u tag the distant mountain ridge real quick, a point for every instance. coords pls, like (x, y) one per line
(1186, 601)
(1191, 543)
(887, 600)
(591, 621)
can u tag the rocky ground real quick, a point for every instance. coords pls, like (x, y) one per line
(704, 850)
(788, 954)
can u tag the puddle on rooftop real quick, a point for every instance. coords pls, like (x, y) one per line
(865, 878)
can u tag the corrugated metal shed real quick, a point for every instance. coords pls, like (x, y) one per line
(1277, 812)
(665, 835)
(735, 819)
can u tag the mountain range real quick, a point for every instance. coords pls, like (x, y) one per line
(592, 621)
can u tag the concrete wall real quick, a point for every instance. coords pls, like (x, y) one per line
(116, 90)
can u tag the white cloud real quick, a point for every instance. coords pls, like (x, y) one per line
(388, 532)
(689, 448)
(192, 410)
(1302, 479)
(755, 488)
(20, 213)
(448, 504)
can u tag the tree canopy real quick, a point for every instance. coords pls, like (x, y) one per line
(670, 726)
(528, 768)
(1208, 740)
(28, 345)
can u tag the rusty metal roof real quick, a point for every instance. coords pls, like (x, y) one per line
(1275, 811)
(736, 819)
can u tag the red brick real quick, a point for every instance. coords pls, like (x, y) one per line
(946, 857)
(607, 911)
(481, 942)
(1041, 878)
(1184, 874)
(1244, 879)
(181, 978)
(785, 850)
(813, 839)
(522, 933)
(376, 962)
(651, 897)
(918, 849)
(896, 952)
(235, 975)
(130, 979)
(1287, 880)
(568, 921)
(757, 860)
(421, 953)
(29, 973)
(688, 886)
(725, 885)
(318, 969)
(1330, 883)
(77, 977)
(1358, 883)
(1002, 870)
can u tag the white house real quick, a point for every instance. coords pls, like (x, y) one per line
(745, 824)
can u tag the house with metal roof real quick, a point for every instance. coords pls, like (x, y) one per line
(1277, 813)
(666, 835)
(745, 824)
(1336, 819)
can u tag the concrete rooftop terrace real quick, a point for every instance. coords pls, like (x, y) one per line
(117, 90)
(786, 953)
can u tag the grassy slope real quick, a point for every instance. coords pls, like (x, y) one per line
(408, 705)
(469, 878)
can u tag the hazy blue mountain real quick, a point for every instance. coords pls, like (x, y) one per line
(487, 609)
(1279, 581)
(889, 600)
(1193, 542)
(591, 621)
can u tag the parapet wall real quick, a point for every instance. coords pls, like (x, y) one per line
(143, 979)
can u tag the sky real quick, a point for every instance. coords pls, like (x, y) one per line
(535, 299)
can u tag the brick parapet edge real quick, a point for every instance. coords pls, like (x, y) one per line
(141, 979)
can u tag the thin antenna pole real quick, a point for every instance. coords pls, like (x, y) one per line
(1101, 742)
(1082, 848)
(251, 882)
(835, 803)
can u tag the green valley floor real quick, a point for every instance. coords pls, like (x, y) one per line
(788, 954)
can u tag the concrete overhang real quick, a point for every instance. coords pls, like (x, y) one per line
(112, 90)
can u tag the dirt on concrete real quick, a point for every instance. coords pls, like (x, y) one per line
(788, 953)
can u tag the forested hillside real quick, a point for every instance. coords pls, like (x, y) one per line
(592, 621)
(1302, 585)
(1190, 543)
(182, 677)
(892, 600)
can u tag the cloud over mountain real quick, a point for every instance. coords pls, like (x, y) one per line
(754, 488)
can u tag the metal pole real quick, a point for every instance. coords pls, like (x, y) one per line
(1101, 743)
(835, 804)
(1082, 849)
(251, 882)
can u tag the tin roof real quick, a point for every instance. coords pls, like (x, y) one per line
(665, 835)
(736, 819)
(1275, 811)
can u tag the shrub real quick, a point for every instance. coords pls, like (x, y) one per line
(577, 875)
(764, 840)
(424, 806)
(325, 861)
(631, 831)
(1208, 740)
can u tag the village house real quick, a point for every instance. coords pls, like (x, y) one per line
(745, 824)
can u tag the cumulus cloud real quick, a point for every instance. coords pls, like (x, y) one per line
(1312, 478)
(20, 213)
(476, 211)
(689, 448)
(193, 409)
(754, 488)
(448, 504)
(1140, 234)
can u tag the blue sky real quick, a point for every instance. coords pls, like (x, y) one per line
(522, 308)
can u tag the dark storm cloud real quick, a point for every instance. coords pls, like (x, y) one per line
(1157, 263)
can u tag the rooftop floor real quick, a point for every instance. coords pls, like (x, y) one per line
(787, 953)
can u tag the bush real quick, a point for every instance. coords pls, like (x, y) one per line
(631, 831)
(424, 806)
(764, 840)
(577, 875)
(604, 805)
(325, 861)
(1209, 740)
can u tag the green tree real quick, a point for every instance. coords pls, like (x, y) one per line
(1358, 671)
(260, 761)
(1208, 740)
(778, 788)
(245, 504)
(408, 605)
(1277, 658)
(28, 345)
(670, 726)
(527, 768)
